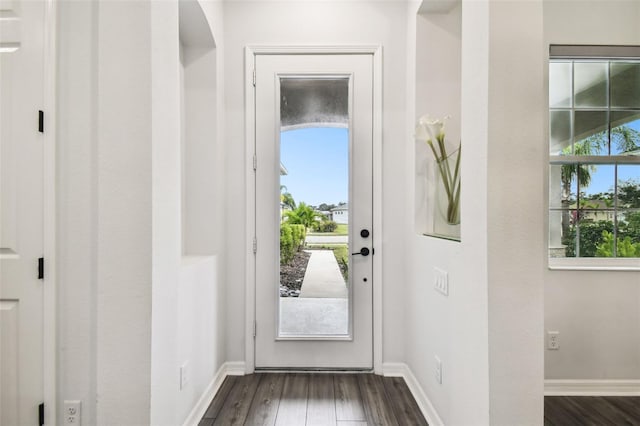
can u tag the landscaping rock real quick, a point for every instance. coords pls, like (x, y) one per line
(292, 274)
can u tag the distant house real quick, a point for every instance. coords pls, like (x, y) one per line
(594, 211)
(340, 214)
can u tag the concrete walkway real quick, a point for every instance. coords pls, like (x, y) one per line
(327, 239)
(312, 316)
(323, 278)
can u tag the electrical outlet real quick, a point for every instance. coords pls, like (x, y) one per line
(437, 371)
(72, 412)
(184, 375)
(441, 281)
(553, 340)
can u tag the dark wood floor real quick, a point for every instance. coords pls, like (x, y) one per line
(298, 399)
(320, 399)
(591, 410)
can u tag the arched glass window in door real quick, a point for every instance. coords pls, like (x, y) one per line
(314, 206)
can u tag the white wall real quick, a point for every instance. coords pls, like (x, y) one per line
(516, 222)
(324, 23)
(104, 221)
(188, 284)
(77, 204)
(487, 331)
(131, 311)
(596, 313)
(122, 227)
(454, 328)
(433, 326)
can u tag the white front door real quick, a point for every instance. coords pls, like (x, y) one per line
(314, 138)
(21, 211)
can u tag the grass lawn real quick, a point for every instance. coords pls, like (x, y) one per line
(341, 253)
(342, 229)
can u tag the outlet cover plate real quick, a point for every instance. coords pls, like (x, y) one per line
(437, 371)
(441, 281)
(184, 375)
(72, 412)
(553, 340)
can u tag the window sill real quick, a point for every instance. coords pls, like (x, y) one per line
(594, 264)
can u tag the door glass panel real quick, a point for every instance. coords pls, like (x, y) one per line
(314, 208)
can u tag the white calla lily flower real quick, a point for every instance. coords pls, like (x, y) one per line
(431, 130)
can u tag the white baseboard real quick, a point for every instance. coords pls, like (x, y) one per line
(592, 387)
(235, 368)
(394, 369)
(399, 369)
(198, 411)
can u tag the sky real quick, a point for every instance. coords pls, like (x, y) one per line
(317, 160)
(602, 179)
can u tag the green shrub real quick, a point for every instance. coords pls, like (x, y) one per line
(590, 237)
(299, 234)
(625, 247)
(286, 243)
(325, 226)
(596, 238)
(291, 239)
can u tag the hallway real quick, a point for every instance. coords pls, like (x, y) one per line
(150, 139)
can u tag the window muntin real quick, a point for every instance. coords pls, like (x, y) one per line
(594, 147)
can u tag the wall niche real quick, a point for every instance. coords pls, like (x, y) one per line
(438, 91)
(201, 200)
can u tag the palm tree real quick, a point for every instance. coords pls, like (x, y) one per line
(624, 138)
(581, 172)
(286, 198)
(288, 201)
(303, 215)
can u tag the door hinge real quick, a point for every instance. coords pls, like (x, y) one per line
(255, 327)
(41, 121)
(255, 162)
(41, 268)
(254, 77)
(41, 414)
(255, 245)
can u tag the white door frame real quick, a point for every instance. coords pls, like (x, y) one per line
(250, 187)
(50, 346)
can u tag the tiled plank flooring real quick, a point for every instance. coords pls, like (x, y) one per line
(300, 399)
(591, 410)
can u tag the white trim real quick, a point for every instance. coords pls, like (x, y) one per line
(399, 369)
(198, 411)
(250, 52)
(49, 215)
(623, 264)
(250, 222)
(554, 387)
(378, 81)
(314, 50)
(394, 369)
(235, 368)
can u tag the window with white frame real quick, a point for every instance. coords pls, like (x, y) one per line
(594, 155)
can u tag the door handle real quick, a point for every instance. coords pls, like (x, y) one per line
(363, 251)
